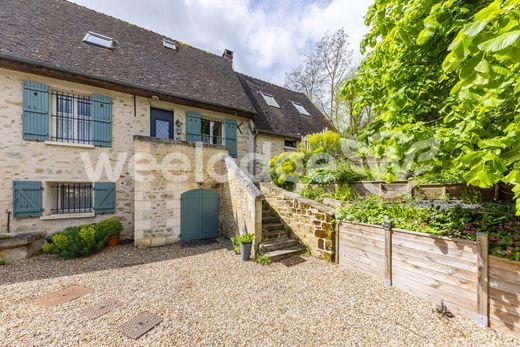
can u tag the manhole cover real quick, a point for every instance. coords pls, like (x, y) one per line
(102, 308)
(294, 260)
(140, 325)
(62, 296)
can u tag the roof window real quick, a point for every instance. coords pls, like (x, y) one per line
(300, 108)
(269, 99)
(169, 44)
(98, 40)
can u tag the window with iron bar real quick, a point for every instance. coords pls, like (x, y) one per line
(72, 198)
(71, 119)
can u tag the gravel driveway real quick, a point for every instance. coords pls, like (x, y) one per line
(206, 296)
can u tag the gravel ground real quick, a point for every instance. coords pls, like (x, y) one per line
(206, 296)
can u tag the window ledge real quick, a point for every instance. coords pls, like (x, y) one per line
(290, 148)
(68, 216)
(67, 144)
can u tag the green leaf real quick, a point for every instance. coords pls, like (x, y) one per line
(500, 42)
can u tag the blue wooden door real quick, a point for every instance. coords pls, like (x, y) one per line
(199, 215)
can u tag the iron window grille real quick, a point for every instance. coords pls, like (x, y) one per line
(71, 121)
(73, 198)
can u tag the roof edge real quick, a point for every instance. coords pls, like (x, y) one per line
(111, 84)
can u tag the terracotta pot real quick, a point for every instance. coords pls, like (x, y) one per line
(113, 241)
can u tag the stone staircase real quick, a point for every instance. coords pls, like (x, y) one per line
(277, 243)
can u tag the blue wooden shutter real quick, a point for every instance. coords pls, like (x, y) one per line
(193, 132)
(231, 136)
(101, 120)
(105, 197)
(27, 199)
(35, 111)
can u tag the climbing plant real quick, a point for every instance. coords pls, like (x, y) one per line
(445, 71)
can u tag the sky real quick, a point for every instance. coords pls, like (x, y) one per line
(268, 37)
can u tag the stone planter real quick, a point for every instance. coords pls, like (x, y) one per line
(245, 251)
(20, 245)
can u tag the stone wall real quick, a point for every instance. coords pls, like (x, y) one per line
(242, 204)
(311, 222)
(54, 162)
(158, 193)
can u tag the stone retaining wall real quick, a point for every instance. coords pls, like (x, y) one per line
(311, 222)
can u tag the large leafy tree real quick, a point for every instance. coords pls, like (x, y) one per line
(446, 70)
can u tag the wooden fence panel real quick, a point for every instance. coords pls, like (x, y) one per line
(504, 294)
(428, 276)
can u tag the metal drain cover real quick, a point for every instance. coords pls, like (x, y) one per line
(62, 296)
(102, 308)
(140, 325)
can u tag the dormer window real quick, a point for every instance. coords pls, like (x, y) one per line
(98, 40)
(169, 44)
(300, 108)
(269, 99)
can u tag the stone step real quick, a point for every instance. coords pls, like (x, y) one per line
(270, 220)
(274, 234)
(277, 243)
(283, 253)
(272, 226)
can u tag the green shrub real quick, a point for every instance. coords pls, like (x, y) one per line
(109, 227)
(285, 168)
(344, 192)
(313, 193)
(246, 238)
(471, 196)
(328, 142)
(305, 252)
(3, 262)
(82, 241)
(236, 244)
(262, 259)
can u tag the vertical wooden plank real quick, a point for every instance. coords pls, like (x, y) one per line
(388, 252)
(483, 279)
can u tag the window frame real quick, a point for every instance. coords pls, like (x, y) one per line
(211, 135)
(79, 126)
(285, 141)
(59, 201)
(274, 103)
(91, 34)
(297, 106)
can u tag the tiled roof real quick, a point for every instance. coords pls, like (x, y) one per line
(285, 120)
(50, 32)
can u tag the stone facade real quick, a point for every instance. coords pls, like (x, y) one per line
(267, 146)
(241, 204)
(55, 162)
(157, 195)
(311, 222)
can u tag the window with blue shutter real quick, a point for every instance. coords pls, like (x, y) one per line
(101, 111)
(35, 111)
(104, 197)
(231, 136)
(193, 127)
(27, 199)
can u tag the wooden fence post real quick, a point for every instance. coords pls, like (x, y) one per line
(388, 252)
(483, 279)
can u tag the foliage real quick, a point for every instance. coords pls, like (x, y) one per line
(441, 176)
(3, 262)
(328, 142)
(471, 196)
(313, 192)
(246, 238)
(344, 192)
(285, 168)
(82, 241)
(496, 219)
(236, 244)
(339, 172)
(109, 227)
(305, 251)
(445, 73)
(261, 258)
(323, 74)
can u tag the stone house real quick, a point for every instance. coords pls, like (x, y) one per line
(88, 102)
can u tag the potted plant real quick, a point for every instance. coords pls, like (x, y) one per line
(246, 242)
(110, 228)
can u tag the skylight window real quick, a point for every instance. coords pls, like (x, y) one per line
(301, 109)
(269, 99)
(99, 40)
(169, 44)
